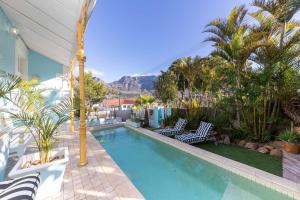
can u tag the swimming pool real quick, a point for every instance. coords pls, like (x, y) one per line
(162, 172)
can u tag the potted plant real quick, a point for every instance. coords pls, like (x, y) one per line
(145, 102)
(43, 123)
(8, 83)
(135, 122)
(291, 140)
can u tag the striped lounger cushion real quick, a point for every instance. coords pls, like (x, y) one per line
(178, 128)
(24, 188)
(202, 133)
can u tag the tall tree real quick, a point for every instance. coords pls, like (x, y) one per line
(282, 12)
(234, 43)
(279, 59)
(165, 87)
(94, 92)
(188, 69)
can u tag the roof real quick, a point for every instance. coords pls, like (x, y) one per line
(48, 27)
(115, 102)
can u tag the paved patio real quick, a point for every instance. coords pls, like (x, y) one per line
(100, 179)
(291, 166)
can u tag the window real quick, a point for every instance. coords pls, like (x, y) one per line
(22, 67)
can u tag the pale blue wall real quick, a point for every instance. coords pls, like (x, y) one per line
(42, 67)
(7, 45)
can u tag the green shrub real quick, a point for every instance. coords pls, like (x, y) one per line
(240, 134)
(289, 136)
(172, 119)
(194, 117)
(136, 120)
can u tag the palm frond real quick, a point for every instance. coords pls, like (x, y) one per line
(8, 83)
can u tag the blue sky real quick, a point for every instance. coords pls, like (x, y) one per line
(139, 37)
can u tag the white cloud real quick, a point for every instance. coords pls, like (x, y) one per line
(148, 74)
(95, 72)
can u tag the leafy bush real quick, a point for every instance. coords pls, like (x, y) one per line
(136, 120)
(240, 134)
(289, 136)
(171, 120)
(194, 117)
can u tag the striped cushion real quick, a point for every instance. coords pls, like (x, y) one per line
(168, 131)
(190, 138)
(202, 133)
(179, 127)
(23, 188)
(204, 129)
(181, 123)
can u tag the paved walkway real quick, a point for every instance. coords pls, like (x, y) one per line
(291, 166)
(100, 179)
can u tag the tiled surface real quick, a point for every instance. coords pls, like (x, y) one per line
(100, 179)
(279, 184)
(291, 166)
(103, 179)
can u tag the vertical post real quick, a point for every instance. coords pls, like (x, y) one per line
(81, 60)
(72, 96)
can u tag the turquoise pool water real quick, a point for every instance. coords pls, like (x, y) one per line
(162, 172)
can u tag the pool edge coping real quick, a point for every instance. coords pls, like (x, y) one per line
(266, 179)
(138, 195)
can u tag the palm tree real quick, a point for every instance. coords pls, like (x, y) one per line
(189, 69)
(282, 54)
(234, 43)
(8, 83)
(281, 11)
(144, 102)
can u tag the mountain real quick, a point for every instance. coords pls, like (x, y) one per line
(135, 84)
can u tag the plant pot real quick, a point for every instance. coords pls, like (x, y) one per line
(4, 152)
(291, 147)
(134, 124)
(52, 173)
(297, 129)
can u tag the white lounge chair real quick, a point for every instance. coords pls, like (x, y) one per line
(201, 134)
(178, 128)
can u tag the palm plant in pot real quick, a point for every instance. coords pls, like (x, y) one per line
(43, 123)
(291, 141)
(145, 102)
(8, 83)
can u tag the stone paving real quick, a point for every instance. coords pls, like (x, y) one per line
(100, 179)
(291, 166)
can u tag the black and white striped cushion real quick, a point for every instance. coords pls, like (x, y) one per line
(202, 133)
(204, 129)
(24, 188)
(181, 123)
(190, 138)
(179, 128)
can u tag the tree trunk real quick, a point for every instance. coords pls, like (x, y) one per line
(238, 114)
(146, 118)
(289, 109)
(283, 28)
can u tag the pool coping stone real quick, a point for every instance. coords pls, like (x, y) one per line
(266, 179)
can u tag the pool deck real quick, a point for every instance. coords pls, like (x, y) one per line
(100, 179)
(282, 185)
(291, 166)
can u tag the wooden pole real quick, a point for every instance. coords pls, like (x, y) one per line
(72, 96)
(81, 60)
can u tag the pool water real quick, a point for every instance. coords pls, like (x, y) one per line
(162, 172)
